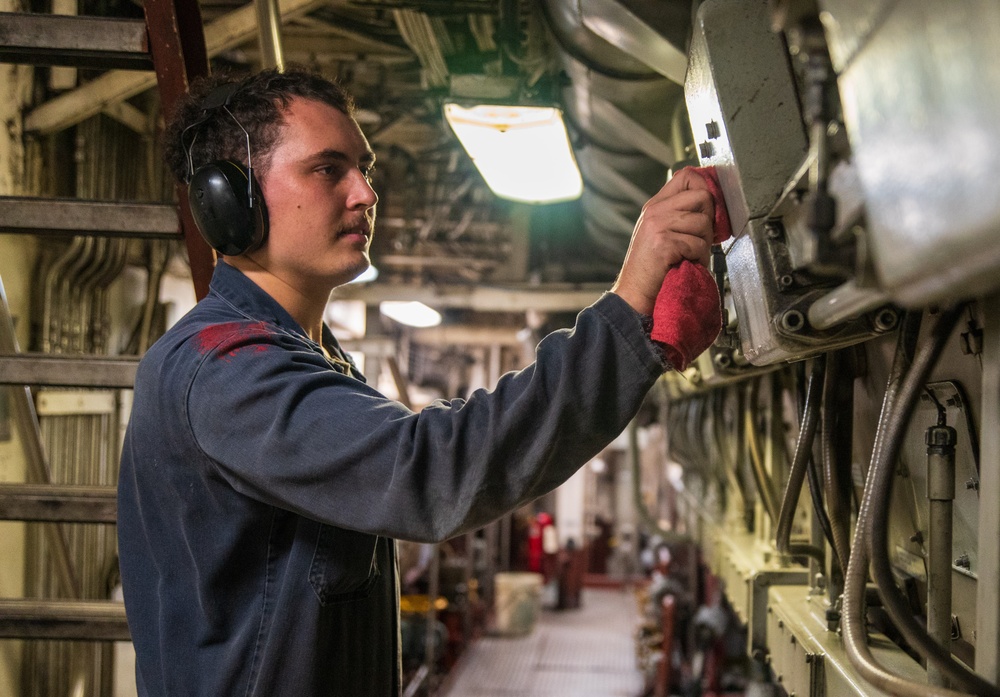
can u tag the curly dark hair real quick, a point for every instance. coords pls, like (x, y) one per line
(257, 103)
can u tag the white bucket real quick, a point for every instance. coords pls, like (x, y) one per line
(517, 602)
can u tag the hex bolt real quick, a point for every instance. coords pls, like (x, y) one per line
(772, 231)
(963, 562)
(886, 320)
(793, 321)
(972, 484)
(786, 281)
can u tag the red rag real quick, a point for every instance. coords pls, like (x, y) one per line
(687, 316)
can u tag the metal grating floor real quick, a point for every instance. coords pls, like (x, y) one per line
(589, 652)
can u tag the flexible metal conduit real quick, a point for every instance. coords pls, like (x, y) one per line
(800, 463)
(877, 532)
(853, 618)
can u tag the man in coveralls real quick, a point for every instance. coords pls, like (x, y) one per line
(263, 482)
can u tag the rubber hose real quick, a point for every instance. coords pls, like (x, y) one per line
(877, 532)
(836, 501)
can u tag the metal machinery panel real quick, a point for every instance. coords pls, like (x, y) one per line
(920, 98)
(744, 109)
(742, 105)
(809, 659)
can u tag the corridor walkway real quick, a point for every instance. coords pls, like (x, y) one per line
(588, 652)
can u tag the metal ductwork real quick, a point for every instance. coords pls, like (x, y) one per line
(617, 56)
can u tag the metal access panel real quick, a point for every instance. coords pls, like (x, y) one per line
(741, 100)
(920, 88)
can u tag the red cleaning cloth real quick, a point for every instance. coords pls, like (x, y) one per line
(687, 316)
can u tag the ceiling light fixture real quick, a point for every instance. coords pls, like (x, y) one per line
(523, 152)
(411, 313)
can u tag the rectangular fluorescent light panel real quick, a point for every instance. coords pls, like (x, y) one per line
(523, 152)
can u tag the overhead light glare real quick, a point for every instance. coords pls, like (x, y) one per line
(523, 152)
(411, 313)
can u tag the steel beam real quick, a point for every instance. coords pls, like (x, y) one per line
(58, 503)
(67, 371)
(230, 30)
(81, 42)
(48, 216)
(24, 618)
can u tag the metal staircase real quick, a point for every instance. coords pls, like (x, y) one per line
(170, 42)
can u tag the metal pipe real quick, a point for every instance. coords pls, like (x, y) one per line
(844, 303)
(876, 531)
(761, 477)
(853, 623)
(269, 34)
(801, 458)
(940, 494)
(38, 465)
(430, 629)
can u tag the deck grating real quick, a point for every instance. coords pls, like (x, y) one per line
(587, 652)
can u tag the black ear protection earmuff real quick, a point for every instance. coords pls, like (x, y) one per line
(225, 199)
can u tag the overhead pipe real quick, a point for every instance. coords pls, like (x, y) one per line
(269, 34)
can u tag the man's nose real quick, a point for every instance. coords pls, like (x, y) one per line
(362, 195)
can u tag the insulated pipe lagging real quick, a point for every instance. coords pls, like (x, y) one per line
(876, 528)
(800, 460)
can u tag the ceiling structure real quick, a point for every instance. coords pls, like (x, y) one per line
(614, 66)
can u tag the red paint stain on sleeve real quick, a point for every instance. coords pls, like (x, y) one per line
(230, 338)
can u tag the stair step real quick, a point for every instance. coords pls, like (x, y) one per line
(67, 371)
(58, 503)
(82, 42)
(70, 216)
(94, 620)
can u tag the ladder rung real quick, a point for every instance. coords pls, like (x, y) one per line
(58, 503)
(96, 620)
(68, 216)
(82, 42)
(67, 371)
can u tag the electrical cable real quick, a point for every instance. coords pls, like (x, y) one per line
(800, 460)
(877, 531)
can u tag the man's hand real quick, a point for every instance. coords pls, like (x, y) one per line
(674, 225)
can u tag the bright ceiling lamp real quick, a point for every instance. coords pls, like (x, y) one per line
(523, 152)
(411, 313)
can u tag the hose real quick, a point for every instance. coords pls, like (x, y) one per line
(760, 476)
(800, 460)
(853, 617)
(837, 494)
(877, 531)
